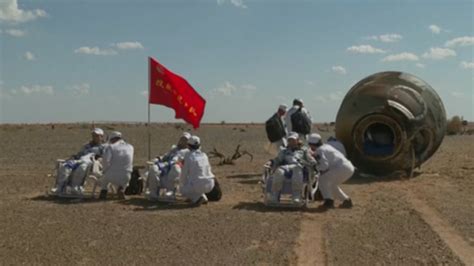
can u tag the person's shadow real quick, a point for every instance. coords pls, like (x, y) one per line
(64, 200)
(143, 204)
(260, 207)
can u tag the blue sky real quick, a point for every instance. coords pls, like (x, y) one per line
(70, 61)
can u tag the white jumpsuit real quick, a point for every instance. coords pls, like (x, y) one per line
(338, 146)
(196, 177)
(166, 174)
(335, 170)
(288, 165)
(118, 164)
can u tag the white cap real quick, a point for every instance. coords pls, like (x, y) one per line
(293, 135)
(194, 140)
(98, 131)
(186, 135)
(283, 107)
(314, 138)
(115, 134)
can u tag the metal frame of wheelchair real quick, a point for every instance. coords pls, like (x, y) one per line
(285, 200)
(91, 176)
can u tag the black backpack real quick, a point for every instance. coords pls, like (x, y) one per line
(216, 193)
(135, 186)
(275, 129)
(300, 122)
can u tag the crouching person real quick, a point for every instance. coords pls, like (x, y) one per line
(72, 172)
(335, 169)
(196, 177)
(166, 171)
(117, 163)
(290, 164)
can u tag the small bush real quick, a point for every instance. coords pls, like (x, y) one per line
(454, 126)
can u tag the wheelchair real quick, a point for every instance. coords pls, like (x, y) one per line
(75, 186)
(310, 186)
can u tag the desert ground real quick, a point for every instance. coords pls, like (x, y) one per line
(425, 220)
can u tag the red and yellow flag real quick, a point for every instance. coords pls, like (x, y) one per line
(169, 89)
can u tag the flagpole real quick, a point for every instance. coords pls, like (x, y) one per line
(149, 133)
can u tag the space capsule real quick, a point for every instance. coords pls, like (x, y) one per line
(390, 121)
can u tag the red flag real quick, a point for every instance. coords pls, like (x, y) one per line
(169, 89)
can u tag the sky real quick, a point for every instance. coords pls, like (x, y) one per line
(82, 61)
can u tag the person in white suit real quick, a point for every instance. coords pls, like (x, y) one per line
(117, 165)
(166, 171)
(196, 176)
(334, 168)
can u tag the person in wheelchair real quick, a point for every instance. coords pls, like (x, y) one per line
(290, 164)
(196, 178)
(166, 170)
(72, 172)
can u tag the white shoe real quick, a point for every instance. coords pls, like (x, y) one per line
(171, 195)
(59, 189)
(54, 190)
(76, 190)
(296, 200)
(201, 200)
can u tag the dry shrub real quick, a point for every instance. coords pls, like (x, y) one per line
(454, 126)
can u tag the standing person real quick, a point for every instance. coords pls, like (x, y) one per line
(276, 128)
(117, 163)
(298, 119)
(165, 173)
(73, 171)
(290, 164)
(196, 177)
(335, 169)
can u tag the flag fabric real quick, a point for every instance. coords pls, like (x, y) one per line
(173, 91)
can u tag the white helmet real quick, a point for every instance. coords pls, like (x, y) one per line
(98, 131)
(194, 140)
(115, 134)
(314, 138)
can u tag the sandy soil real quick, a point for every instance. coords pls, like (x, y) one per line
(424, 220)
